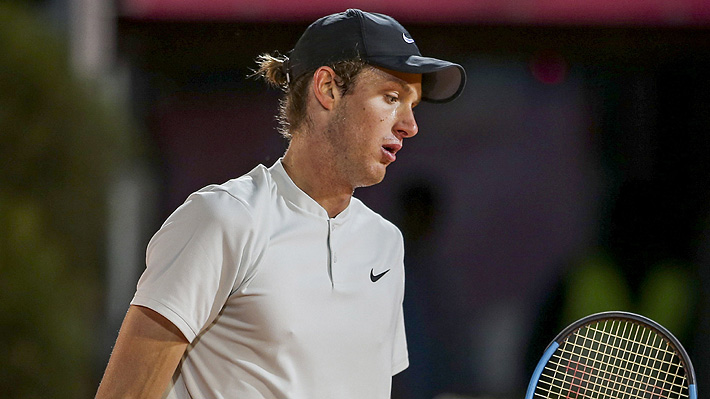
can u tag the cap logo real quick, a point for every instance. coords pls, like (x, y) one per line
(407, 38)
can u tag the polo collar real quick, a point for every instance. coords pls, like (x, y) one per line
(293, 194)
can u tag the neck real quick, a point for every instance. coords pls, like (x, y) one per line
(310, 170)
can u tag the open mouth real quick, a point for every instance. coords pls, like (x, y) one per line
(392, 148)
(389, 151)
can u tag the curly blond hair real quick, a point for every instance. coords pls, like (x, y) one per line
(292, 107)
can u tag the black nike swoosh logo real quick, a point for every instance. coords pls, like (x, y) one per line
(374, 278)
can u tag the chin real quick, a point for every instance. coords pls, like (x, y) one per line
(376, 176)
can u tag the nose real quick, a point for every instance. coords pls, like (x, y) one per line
(406, 125)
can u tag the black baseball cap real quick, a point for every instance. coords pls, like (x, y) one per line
(378, 40)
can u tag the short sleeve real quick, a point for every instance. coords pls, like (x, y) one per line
(196, 259)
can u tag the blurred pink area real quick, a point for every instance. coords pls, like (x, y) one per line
(588, 12)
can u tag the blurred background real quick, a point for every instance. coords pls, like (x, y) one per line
(571, 176)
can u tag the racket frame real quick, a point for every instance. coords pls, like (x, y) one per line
(615, 315)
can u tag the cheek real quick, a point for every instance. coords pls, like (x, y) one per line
(369, 118)
(382, 115)
(373, 118)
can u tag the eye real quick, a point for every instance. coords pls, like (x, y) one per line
(391, 98)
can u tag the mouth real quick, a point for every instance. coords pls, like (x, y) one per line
(390, 150)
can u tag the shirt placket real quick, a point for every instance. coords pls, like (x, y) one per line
(333, 270)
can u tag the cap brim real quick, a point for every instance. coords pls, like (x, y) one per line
(442, 81)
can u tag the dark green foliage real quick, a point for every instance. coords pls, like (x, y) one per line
(59, 142)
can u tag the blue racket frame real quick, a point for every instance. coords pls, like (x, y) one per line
(614, 315)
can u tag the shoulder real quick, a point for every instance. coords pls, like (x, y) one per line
(235, 206)
(374, 222)
(235, 198)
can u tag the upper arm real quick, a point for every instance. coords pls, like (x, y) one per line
(196, 259)
(147, 352)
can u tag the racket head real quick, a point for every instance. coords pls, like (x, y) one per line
(614, 354)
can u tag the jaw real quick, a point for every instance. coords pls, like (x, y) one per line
(371, 175)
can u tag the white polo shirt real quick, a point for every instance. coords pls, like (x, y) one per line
(277, 299)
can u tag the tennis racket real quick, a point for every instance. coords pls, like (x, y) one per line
(614, 355)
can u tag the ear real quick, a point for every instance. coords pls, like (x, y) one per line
(325, 87)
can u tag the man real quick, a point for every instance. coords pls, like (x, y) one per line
(280, 284)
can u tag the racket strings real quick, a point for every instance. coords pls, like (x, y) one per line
(649, 357)
(652, 356)
(583, 371)
(632, 381)
(614, 360)
(598, 386)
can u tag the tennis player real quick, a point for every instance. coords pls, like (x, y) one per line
(280, 284)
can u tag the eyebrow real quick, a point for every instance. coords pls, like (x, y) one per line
(402, 83)
(406, 88)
